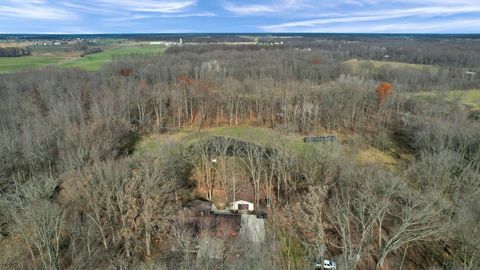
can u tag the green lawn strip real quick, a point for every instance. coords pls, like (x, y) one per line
(96, 61)
(470, 98)
(292, 144)
(11, 64)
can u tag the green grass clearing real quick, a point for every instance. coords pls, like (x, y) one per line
(96, 61)
(150, 144)
(90, 62)
(470, 98)
(12, 64)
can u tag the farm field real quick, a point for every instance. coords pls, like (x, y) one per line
(90, 62)
(12, 64)
(96, 61)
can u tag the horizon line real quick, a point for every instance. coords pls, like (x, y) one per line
(244, 33)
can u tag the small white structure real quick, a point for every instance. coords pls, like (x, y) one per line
(241, 206)
(327, 264)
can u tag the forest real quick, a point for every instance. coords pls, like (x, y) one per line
(100, 169)
(14, 52)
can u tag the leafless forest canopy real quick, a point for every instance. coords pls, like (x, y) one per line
(75, 194)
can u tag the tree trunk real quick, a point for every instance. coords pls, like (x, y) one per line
(148, 242)
(379, 265)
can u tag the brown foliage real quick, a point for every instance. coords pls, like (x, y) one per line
(125, 72)
(383, 91)
(184, 81)
(315, 61)
(203, 86)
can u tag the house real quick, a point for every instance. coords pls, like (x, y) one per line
(242, 206)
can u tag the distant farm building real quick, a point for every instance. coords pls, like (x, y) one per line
(319, 139)
(241, 206)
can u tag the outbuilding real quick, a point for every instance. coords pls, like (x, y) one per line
(241, 206)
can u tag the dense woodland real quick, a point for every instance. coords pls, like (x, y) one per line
(14, 52)
(75, 196)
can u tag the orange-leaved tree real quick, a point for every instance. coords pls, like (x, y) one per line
(384, 90)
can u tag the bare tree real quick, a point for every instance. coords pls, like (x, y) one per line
(312, 213)
(40, 222)
(254, 158)
(363, 201)
(202, 157)
(223, 149)
(313, 163)
(353, 220)
(419, 217)
(466, 236)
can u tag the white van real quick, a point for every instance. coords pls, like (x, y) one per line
(327, 264)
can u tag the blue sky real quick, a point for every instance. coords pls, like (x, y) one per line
(190, 16)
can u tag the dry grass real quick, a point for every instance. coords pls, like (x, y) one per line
(14, 44)
(12, 249)
(356, 65)
(373, 156)
(265, 136)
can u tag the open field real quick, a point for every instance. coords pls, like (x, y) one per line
(186, 136)
(470, 98)
(5, 44)
(356, 65)
(374, 156)
(96, 61)
(66, 60)
(12, 64)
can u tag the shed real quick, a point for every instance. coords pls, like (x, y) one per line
(319, 139)
(241, 206)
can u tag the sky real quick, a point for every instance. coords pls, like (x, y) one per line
(239, 16)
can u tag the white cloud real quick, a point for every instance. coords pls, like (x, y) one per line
(379, 15)
(186, 15)
(33, 9)
(248, 9)
(272, 7)
(128, 18)
(150, 5)
(87, 7)
(134, 17)
(413, 27)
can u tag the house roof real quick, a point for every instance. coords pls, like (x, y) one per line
(242, 202)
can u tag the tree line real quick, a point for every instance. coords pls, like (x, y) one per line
(14, 52)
